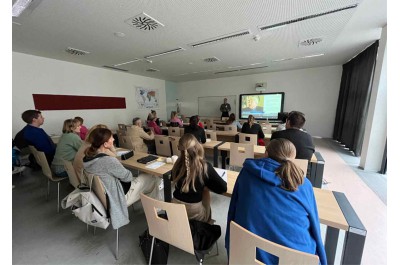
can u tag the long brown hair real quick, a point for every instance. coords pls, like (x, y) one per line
(282, 151)
(98, 136)
(250, 120)
(89, 137)
(231, 118)
(191, 164)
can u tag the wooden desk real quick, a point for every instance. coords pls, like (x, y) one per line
(226, 136)
(213, 145)
(336, 212)
(164, 171)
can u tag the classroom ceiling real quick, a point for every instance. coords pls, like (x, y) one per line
(199, 39)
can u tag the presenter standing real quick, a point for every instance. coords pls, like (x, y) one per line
(225, 108)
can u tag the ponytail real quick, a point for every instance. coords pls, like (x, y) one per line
(291, 175)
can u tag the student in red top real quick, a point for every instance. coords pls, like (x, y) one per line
(151, 123)
(83, 132)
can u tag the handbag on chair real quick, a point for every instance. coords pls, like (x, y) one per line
(160, 249)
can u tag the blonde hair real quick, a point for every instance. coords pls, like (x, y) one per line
(69, 126)
(89, 136)
(191, 163)
(173, 114)
(283, 151)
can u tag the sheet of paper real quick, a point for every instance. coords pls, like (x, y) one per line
(223, 173)
(155, 165)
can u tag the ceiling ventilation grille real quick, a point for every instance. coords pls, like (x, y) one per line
(164, 53)
(115, 68)
(211, 60)
(310, 42)
(74, 51)
(222, 38)
(144, 22)
(152, 70)
(282, 24)
(242, 69)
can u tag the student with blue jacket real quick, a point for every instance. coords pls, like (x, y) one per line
(273, 199)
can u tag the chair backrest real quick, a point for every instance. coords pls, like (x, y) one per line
(175, 230)
(230, 128)
(224, 118)
(266, 128)
(211, 135)
(121, 126)
(174, 131)
(243, 244)
(174, 144)
(248, 138)
(302, 163)
(162, 145)
(181, 131)
(96, 185)
(212, 126)
(73, 178)
(126, 142)
(121, 133)
(129, 131)
(42, 161)
(239, 152)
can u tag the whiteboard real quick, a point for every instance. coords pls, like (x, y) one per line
(209, 106)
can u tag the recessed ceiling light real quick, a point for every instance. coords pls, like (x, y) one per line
(303, 57)
(119, 34)
(19, 6)
(134, 60)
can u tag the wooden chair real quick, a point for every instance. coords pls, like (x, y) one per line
(231, 128)
(42, 161)
(302, 163)
(121, 127)
(239, 152)
(175, 231)
(243, 245)
(126, 142)
(162, 145)
(174, 144)
(224, 118)
(129, 131)
(212, 127)
(248, 138)
(211, 135)
(174, 131)
(73, 178)
(181, 132)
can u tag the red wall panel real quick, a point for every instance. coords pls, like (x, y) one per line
(69, 102)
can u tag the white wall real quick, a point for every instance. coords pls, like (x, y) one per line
(313, 91)
(39, 75)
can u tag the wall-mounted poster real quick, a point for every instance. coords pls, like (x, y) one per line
(147, 98)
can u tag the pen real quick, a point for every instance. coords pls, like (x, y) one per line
(223, 174)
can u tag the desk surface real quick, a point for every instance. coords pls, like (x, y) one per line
(328, 209)
(211, 144)
(133, 164)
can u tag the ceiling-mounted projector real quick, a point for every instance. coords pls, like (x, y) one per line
(261, 87)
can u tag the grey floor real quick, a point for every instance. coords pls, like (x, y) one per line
(40, 235)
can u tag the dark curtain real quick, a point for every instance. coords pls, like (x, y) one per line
(354, 96)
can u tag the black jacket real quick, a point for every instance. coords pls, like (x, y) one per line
(198, 132)
(302, 141)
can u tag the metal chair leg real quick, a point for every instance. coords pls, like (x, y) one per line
(116, 250)
(48, 189)
(151, 250)
(58, 197)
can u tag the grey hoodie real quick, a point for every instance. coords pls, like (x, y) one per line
(111, 171)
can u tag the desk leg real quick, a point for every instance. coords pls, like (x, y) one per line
(216, 152)
(355, 237)
(167, 187)
(224, 154)
(331, 240)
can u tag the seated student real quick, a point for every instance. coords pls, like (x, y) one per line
(83, 132)
(36, 136)
(175, 120)
(122, 189)
(294, 133)
(282, 126)
(78, 160)
(152, 124)
(288, 214)
(199, 122)
(253, 128)
(138, 135)
(156, 119)
(67, 147)
(232, 121)
(194, 177)
(196, 130)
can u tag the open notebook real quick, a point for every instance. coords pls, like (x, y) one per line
(223, 173)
